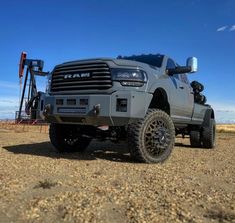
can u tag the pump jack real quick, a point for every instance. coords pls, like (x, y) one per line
(34, 68)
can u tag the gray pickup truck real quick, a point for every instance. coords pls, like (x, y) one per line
(146, 100)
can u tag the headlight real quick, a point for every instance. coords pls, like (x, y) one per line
(48, 86)
(128, 77)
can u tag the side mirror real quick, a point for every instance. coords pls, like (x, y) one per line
(192, 63)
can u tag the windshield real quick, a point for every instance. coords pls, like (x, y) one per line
(151, 59)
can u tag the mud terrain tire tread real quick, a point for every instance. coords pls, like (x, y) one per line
(136, 136)
(208, 135)
(195, 138)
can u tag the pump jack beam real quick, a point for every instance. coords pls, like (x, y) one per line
(34, 67)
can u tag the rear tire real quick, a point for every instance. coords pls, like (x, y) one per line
(195, 138)
(208, 135)
(152, 138)
(66, 138)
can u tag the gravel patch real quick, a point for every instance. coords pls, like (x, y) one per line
(37, 184)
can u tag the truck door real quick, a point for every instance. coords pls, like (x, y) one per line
(181, 100)
(188, 95)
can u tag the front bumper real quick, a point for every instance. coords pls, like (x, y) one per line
(117, 109)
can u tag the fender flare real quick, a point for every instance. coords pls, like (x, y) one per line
(165, 98)
(208, 115)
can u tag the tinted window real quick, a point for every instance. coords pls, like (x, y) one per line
(170, 64)
(152, 60)
(184, 78)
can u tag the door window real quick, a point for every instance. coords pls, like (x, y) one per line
(184, 78)
(170, 64)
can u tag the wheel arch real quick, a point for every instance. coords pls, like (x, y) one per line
(160, 100)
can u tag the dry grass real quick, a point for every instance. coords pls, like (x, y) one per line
(227, 128)
(17, 128)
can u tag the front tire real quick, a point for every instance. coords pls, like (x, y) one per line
(152, 138)
(67, 138)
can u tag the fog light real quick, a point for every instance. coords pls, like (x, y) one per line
(121, 105)
(47, 110)
(59, 101)
(83, 101)
(71, 101)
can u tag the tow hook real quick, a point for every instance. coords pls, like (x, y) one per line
(47, 110)
(96, 109)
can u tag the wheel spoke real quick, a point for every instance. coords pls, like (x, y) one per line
(157, 137)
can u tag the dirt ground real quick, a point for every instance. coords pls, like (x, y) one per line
(37, 184)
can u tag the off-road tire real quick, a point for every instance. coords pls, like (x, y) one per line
(209, 135)
(66, 138)
(195, 138)
(152, 138)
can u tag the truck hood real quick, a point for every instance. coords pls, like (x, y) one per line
(111, 62)
(86, 60)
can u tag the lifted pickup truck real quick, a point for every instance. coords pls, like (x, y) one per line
(145, 99)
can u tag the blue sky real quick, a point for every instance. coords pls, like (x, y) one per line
(58, 31)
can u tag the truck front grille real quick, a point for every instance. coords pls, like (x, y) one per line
(84, 76)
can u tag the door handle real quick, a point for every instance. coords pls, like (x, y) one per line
(181, 87)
